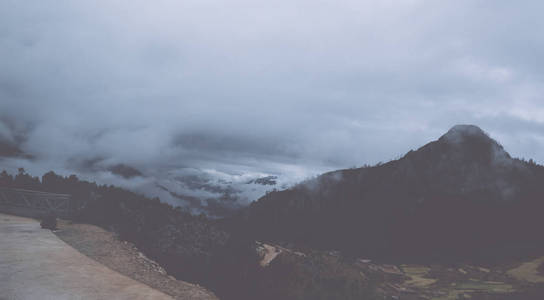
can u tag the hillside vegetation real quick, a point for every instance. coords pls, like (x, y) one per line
(460, 197)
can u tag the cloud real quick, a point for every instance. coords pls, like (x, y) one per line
(253, 89)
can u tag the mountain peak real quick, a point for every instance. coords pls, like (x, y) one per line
(471, 143)
(461, 132)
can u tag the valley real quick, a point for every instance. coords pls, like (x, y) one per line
(523, 279)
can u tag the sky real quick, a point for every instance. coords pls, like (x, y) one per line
(202, 97)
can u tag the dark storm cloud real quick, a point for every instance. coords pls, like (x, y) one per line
(231, 93)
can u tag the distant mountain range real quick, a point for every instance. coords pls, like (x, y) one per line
(462, 195)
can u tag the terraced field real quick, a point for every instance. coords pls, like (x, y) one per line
(513, 280)
(471, 282)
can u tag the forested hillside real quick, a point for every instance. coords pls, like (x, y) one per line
(462, 196)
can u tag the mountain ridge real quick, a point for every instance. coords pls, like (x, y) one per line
(464, 175)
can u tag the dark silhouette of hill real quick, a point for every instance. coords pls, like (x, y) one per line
(459, 197)
(9, 150)
(125, 171)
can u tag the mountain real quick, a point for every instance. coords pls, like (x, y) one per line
(461, 196)
(7, 149)
(125, 171)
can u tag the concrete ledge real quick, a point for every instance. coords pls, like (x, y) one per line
(36, 264)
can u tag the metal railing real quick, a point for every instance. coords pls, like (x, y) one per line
(36, 203)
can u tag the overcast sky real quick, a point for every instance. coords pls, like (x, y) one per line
(240, 89)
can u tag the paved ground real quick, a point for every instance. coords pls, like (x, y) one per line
(104, 247)
(36, 264)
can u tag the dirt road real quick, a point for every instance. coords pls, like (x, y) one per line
(36, 264)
